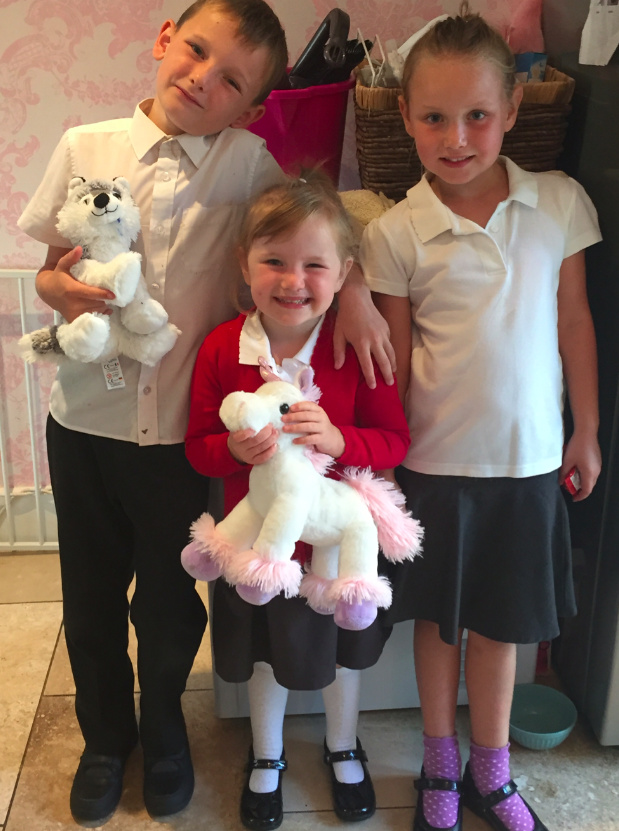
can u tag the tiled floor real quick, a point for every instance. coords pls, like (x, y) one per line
(574, 787)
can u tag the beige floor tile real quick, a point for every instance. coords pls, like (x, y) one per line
(29, 578)
(579, 772)
(385, 819)
(28, 633)
(41, 799)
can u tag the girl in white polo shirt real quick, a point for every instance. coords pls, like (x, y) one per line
(487, 261)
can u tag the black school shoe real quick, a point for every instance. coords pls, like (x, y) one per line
(168, 783)
(351, 803)
(97, 788)
(435, 783)
(482, 805)
(262, 811)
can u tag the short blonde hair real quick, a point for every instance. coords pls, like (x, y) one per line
(466, 35)
(281, 209)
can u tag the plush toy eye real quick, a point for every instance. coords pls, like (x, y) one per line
(86, 201)
(116, 193)
(284, 408)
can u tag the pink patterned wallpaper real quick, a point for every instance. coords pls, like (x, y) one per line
(68, 62)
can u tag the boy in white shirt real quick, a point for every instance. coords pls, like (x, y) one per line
(125, 494)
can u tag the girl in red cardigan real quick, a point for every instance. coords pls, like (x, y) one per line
(296, 249)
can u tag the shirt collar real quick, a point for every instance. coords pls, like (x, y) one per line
(254, 343)
(144, 135)
(430, 217)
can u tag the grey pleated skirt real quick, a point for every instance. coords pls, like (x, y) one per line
(303, 647)
(496, 559)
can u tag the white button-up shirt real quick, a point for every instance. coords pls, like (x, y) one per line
(191, 191)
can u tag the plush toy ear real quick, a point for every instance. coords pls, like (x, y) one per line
(305, 379)
(76, 182)
(266, 371)
(122, 183)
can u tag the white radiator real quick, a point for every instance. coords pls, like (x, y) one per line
(27, 515)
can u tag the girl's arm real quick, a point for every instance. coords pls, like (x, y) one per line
(579, 356)
(397, 312)
(360, 324)
(210, 448)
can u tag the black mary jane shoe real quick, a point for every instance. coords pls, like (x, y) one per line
(483, 805)
(435, 783)
(351, 803)
(262, 811)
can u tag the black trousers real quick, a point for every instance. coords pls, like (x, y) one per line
(124, 510)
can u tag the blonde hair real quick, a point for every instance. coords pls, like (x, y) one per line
(466, 35)
(282, 209)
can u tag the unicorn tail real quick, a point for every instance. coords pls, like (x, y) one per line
(399, 534)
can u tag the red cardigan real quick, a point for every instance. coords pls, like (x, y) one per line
(372, 422)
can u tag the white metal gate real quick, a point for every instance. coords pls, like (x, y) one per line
(27, 515)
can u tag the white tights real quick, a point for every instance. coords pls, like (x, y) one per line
(267, 705)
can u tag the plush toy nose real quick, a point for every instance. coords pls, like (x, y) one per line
(101, 200)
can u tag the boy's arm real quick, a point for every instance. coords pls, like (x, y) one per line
(380, 437)
(59, 289)
(397, 312)
(579, 356)
(360, 324)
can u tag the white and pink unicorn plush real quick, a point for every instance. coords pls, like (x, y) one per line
(290, 499)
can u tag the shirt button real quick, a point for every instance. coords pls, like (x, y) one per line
(166, 177)
(146, 390)
(154, 285)
(159, 229)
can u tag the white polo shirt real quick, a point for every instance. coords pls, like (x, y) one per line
(191, 191)
(485, 397)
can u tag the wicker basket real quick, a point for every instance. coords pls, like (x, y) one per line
(386, 154)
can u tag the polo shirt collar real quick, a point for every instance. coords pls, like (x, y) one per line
(144, 135)
(522, 184)
(430, 217)
(254, 344)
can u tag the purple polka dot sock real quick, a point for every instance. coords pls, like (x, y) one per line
(490, 770)
(441, 758)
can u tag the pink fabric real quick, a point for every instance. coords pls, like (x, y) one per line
(490, 770)
(524, 32)
(441, 758)
(252, 569)
(399, 535)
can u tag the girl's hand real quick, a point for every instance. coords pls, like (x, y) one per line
(252, 448)
(308, 418)
(583, 453)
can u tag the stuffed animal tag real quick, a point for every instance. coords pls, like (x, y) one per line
(113, 374)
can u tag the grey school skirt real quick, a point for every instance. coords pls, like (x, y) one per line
(496, 557)
(302, 646)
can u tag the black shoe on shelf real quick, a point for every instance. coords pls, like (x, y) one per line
(262, 811)
(351, 803)
(97, 788)
(168, 783)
